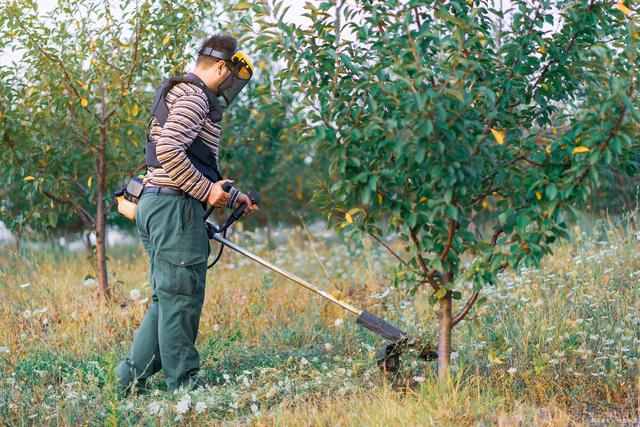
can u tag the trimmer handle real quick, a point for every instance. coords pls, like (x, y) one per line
(255, 199)
(237, 213)
(226, 187)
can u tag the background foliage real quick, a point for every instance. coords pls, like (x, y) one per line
(468, 130)
(474, 133)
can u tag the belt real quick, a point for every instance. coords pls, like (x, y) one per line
(163, 190)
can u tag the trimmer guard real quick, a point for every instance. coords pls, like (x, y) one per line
(380, 327)
(388, 356)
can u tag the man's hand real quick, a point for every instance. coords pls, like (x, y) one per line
(249, 207)
(217, 196)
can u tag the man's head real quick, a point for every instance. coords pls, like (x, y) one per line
(223, 68)
(212, 70)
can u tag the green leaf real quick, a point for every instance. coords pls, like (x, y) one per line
(551, 191)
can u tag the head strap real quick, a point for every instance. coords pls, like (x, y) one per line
(214, 53)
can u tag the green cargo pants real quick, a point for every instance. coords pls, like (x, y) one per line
(174, 235)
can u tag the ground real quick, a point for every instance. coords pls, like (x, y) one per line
(556, 345)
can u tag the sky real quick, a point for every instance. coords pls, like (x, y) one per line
(44, 6)
(294, 14)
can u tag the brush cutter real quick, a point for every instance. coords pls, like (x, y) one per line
(388, 356)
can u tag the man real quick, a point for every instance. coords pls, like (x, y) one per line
(182, 176)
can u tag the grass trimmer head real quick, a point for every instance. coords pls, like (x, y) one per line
(388, 356)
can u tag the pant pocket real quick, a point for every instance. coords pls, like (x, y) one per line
(181, 273)
(186, 214)
(193, 236)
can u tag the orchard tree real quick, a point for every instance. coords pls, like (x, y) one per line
(87, 74)
(469, 130)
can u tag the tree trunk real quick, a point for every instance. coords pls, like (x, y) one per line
(17, 247)
(444, 338)
(101, 228)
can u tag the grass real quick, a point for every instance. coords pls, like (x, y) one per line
(554, 346)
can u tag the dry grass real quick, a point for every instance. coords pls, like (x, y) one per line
(564, 341)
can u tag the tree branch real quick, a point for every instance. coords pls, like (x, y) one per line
(466, 309)
(85, 216)
(391, 251)
(474, 296)
(134, 60)
(428, 273)
(453, 224)
(66, 81)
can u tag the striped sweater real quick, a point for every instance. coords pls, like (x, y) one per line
(188, 118)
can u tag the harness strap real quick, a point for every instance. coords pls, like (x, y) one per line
(160, 109)
(198, 152)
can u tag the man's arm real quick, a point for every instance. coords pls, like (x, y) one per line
(186, 118)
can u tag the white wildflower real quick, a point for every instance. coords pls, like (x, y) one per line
(418, 379)
(226, 377)
(367, 347)
(255, 408)
(512, 370)
(4, 349)
(26, 285)
(216, 327)
(26, 314)
(381, 295)
(304, 361)
(39, 311)
(308, 160)
(134, 294)
(328, 346)
(183, 405)
(153, 408)
(234, 405)
(89, 281)
(201, 407)
(338, 322)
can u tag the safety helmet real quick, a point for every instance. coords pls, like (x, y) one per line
(241, 73)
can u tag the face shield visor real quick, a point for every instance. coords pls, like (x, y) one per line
(241, 73)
